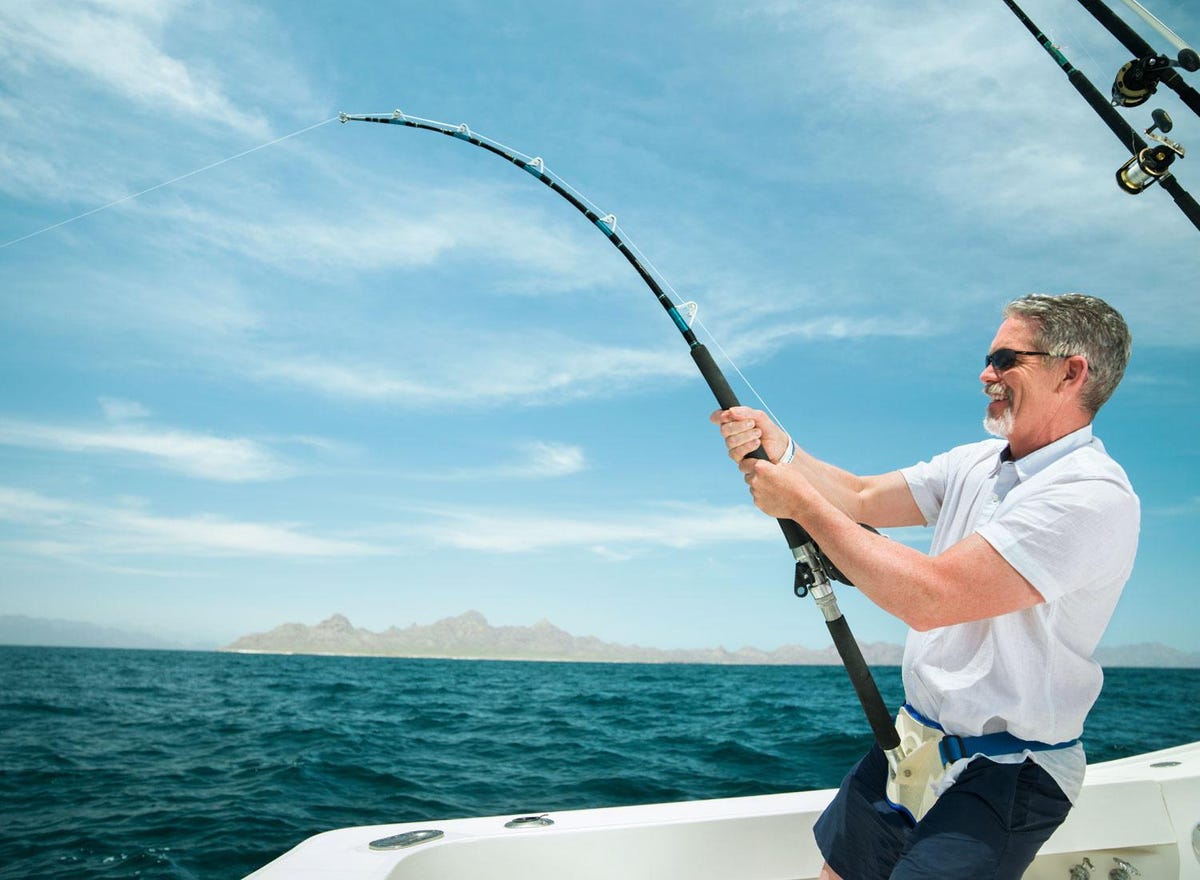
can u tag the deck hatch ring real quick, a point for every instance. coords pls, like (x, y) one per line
(529, 822)
(407, 839)
(1166, 763)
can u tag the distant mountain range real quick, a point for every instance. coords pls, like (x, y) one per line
(17, 629)
(470, 636)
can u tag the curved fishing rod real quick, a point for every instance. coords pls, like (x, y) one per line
(1136, 81)
(1148, 164)
(813, 570)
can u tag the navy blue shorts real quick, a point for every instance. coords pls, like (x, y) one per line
(989, 824)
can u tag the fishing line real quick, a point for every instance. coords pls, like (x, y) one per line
(662, 279)
(167, 182)
(566, 185)
(510, 153)
(1076, 43)
(1059, 22)
(711, 337)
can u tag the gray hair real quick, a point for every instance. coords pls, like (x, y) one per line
(1074, 323)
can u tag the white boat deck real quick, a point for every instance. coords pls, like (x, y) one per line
(1142, 811)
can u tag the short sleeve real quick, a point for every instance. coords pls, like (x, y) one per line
(930, 481)
(1069, 536)
(927, 481)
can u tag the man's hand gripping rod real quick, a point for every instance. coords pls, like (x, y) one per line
(813, 573)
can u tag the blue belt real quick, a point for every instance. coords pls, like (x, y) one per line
(955, 747)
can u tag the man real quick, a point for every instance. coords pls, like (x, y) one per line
(1034, 538)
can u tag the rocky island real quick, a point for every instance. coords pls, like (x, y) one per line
(470, 636)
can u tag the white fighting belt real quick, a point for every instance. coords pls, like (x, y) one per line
(915, 766)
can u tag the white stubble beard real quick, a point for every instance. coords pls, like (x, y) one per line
(999, 426)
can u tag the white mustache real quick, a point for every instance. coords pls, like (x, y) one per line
(996, 391)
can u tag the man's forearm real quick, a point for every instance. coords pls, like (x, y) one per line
(839, 487)
(969, 581)
(883, 500)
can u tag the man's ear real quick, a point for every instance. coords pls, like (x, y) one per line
(1075, 370)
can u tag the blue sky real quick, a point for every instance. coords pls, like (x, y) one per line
(374, 371)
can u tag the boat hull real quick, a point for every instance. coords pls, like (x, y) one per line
(1143, 811)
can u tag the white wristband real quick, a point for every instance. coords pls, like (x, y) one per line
(788, 454)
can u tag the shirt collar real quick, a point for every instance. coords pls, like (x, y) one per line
(1040, 459)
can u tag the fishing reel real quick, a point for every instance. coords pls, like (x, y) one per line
(1137, 80)
(818, 567)
(1154, 161)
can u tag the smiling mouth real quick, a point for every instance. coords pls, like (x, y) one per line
(997, 392)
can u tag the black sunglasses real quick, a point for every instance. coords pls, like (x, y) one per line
(1006, 358)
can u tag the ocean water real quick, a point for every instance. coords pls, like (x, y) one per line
(122, 764)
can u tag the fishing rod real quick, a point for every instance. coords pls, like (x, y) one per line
(1188, 57)
(1138, 79)
(814, 570)
(1148, 164)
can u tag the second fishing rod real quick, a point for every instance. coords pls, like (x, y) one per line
(1136, 81)
(1148, 164)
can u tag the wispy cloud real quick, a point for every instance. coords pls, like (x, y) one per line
(119, 410)
(534, 369)
(104, 98)
(414, 228)
(119, 46)
(537, 461)
(1185, 509)
(766, 338)
(963, 133)
(612, 536)
(66, 528)
(124, 533)
(203, 456)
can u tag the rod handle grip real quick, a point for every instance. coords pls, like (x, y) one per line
(864, 684)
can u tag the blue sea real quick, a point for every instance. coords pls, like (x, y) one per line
(121, 764)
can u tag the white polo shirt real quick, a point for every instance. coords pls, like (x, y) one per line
(1067, 519)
